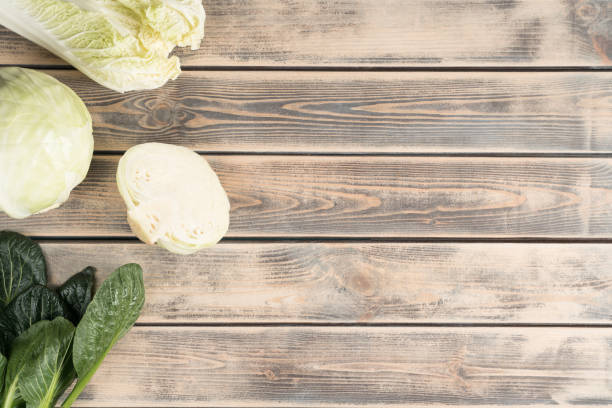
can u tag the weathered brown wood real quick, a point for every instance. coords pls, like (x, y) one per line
(358, 112)
(388, 33)
(314, 367)
(353, 282)
(372, 197)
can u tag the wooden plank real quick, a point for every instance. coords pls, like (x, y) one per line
(304, 367)
(362, 112)
(388, 33)
(356, 282)
(329, 196)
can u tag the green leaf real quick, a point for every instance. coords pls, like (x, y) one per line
(18, 359)
(40, 363)
(2, 370)
(110, 315)
(36, 304)
(21, 265)
(76, 292)
(11, 398)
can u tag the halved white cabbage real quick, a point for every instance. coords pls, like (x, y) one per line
(46, 142)
(173, 196)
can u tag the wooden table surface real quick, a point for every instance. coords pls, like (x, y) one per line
(421, 208)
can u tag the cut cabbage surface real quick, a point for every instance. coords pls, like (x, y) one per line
(121, 44)
(46, 142)
(173, 196)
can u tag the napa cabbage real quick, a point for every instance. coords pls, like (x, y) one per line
(121, 44)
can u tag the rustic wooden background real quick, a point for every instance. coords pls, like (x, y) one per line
(421, 208)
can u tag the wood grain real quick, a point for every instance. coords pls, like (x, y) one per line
(363, 112)
(335, 196)
(356, 282)
(303, 367)
(184, 354)
(388, 33)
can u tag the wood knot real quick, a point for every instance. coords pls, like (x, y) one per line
(588, 11)
(363, 281)
(457, 373)
(163, 114)
(270, 375)
(596, 18)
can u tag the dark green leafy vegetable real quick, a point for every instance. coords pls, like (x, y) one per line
(44, 350)
(76, 292)
(41, 362)
(20, 354)
(2, 370)
(21, 265)
(36, 304)
(110, 315)
(11, 397)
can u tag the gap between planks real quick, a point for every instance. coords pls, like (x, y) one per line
(348, 68)
(382, 325)
(286, 239)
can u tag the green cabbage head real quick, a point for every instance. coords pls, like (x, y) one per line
(46, 142)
